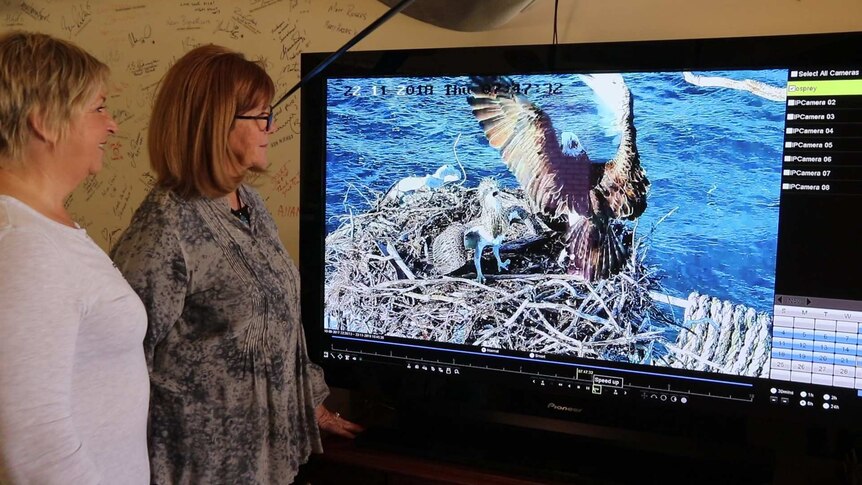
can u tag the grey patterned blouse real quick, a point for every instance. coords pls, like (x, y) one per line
(233, 391)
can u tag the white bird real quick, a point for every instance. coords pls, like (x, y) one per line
(755, 87)
(443, 175)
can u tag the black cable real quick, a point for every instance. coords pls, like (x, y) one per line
(350, 43)
(556, 9)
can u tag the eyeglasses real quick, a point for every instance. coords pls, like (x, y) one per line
(267, 117)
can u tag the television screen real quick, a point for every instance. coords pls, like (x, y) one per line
(707, 190)
(669, 223)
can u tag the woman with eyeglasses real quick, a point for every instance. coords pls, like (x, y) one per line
(73, 379)
(234, 396)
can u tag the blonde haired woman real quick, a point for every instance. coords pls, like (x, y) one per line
(235, 398)
(73, 380)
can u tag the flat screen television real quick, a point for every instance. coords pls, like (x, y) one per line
(653, 235)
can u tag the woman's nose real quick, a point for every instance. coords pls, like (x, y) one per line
(112, 125)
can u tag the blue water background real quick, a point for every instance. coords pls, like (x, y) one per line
(713, 154)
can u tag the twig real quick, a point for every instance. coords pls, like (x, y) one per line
(604, 306)
(463, 172)
(396, 259)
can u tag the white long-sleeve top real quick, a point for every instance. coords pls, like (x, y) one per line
(74, 389)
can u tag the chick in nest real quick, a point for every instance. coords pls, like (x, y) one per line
(497, 212)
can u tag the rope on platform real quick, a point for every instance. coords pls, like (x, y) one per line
(719, 336)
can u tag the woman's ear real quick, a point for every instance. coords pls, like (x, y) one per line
(40, 127)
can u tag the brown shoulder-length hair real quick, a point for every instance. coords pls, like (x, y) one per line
(193, 114)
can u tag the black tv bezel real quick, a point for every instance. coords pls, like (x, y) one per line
(762, 52)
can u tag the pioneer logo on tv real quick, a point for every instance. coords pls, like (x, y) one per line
(567, 409)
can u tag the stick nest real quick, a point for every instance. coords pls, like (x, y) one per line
(379, 281)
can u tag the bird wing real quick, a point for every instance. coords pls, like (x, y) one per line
(473, 234)
(447, 249)
(621, 191)
(556, 183)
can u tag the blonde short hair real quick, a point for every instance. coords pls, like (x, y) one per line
(39, 73)
(193, 115)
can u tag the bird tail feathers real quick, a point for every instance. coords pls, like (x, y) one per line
(594, 251)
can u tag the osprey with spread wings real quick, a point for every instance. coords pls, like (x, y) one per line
(587, 198)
